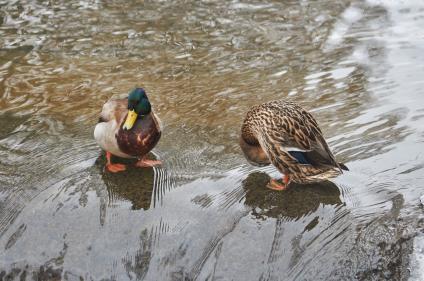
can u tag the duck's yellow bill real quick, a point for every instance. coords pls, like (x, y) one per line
(129, 122)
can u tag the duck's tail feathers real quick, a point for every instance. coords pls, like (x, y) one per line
(343, 167)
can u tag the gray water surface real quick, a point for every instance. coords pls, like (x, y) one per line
(358, 66)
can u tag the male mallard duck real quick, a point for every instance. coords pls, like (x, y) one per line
(286, 135)
(128, 128)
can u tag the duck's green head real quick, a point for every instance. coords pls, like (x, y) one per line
(138, 105)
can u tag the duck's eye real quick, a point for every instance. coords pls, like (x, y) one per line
(132, 104)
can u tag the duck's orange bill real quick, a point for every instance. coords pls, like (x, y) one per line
(129, 122)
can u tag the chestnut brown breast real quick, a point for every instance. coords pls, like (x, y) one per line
(142, 137)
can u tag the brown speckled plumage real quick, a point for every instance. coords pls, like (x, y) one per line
(272, 129)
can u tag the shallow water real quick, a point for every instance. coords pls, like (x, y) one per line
(206, 215)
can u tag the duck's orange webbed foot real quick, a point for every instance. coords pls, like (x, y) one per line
(275, 185)
(143, 163)
(113, 168)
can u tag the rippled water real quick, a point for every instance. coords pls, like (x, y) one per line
(206, 214)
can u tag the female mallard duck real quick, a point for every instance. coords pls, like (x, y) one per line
(128, 128)
(286, 135)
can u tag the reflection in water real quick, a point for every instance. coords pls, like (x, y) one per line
(295, 202)
(138, 265)
(134, 184)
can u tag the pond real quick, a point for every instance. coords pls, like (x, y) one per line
(206, 214)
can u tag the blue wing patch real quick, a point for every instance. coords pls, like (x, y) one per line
(299, 156)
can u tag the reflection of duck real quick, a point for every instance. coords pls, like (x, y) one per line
(285, 135)
(133, 185)
(128, 128)
(294, 203)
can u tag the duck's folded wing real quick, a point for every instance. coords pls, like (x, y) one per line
(114, 109)
(301, 137)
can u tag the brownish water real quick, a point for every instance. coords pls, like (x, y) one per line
(206, 215)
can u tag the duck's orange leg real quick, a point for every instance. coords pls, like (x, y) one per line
(275, 185)
(113, 168)
(143, 163)
(286, 180)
